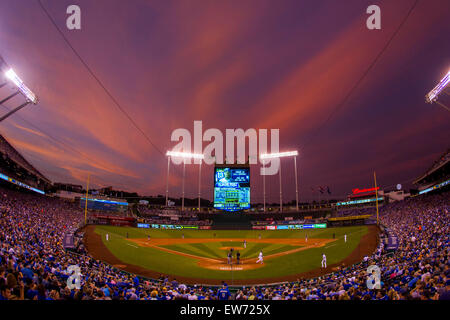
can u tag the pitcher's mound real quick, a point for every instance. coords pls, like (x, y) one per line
(228, 248)
(226, 267)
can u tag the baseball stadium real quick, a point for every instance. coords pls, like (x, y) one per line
(207, 161)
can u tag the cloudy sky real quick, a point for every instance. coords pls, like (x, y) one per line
(232, 64)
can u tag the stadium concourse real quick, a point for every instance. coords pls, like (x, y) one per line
(33, 262)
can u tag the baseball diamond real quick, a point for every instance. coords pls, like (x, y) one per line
(201, 258)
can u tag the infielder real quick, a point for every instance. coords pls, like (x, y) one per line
(260, 258)
(107, 237)
(245, 244)
(345, 238)
(324, 260)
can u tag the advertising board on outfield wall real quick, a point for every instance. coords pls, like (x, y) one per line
(166, 226)
(346, 203)
(291, 227)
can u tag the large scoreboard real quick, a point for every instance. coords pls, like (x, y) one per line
(232, 187)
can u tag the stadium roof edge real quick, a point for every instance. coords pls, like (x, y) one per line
(18, 154)
(434, 167)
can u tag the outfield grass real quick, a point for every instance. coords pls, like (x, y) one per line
(177, 265)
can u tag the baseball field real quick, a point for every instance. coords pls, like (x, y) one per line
(200, 256)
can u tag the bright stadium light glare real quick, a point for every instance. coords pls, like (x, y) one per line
(186, 155)
(278, 155)
(433, 94)
(11, 75)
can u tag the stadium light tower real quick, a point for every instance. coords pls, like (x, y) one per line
(433, 95)
(266, 156)
(11, 76)
(184, 155)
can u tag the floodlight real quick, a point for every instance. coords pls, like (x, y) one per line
(11, 75)
(278, 155)
(187, 155)
(433, 94)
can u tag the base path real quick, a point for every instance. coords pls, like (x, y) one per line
(98, 250)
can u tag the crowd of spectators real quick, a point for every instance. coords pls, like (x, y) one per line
(33, 262)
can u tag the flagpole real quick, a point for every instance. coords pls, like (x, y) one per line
(320, 198)
(296, 183)
(328, 195)
(199, 184)
(264, 186)
(182, 192)
(167, 182)
(376, 194)
(313, 195)
(85, 208)
(281, 193)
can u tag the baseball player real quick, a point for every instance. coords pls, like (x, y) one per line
(345, 238)
(229, 257)
(107, 237)
(324, 260)
(260, 258)
(306, 237)
(245, 244)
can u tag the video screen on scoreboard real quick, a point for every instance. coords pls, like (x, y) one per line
(231, 188)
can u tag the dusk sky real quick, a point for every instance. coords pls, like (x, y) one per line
(232, 64)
